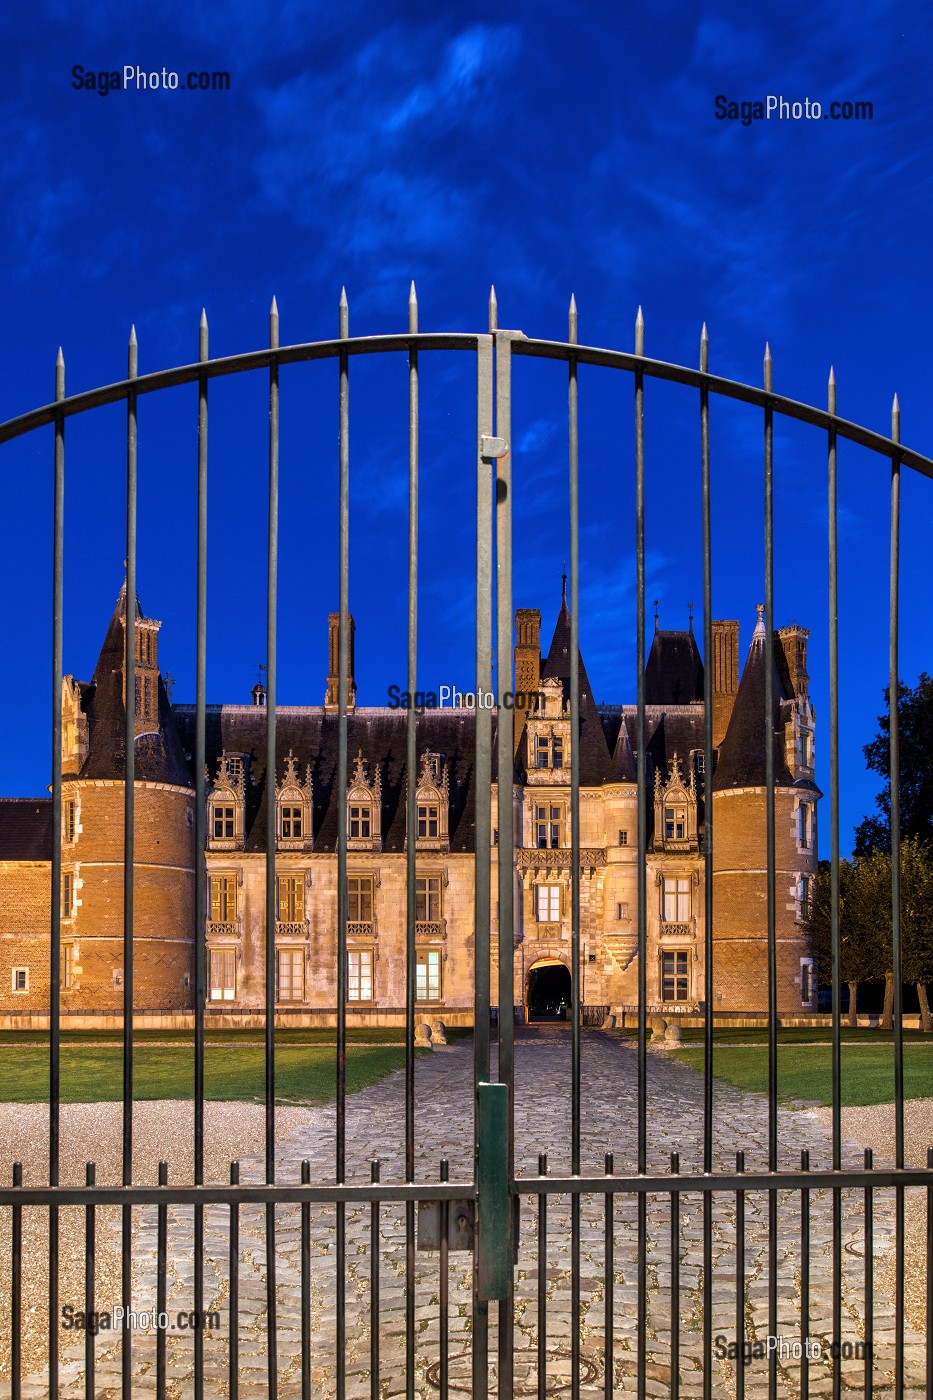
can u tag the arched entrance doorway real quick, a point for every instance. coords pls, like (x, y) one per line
(548, 997)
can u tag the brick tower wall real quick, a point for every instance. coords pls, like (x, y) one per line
(740, 901)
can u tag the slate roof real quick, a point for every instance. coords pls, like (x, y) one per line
(742, 755)
(313, 737)
(25, 828)
(593, 748)
(160, 757)
(669, 730)
(674, 673)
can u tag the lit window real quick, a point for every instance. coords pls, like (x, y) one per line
(548, 904)
(359, 974)
(222, 889)
(360, 823)
(20, 979)
(427, 820)
(428, 975)
(291, 823)
(68, 966)
(222, 822)
(289, 974)
(68, 894)
(222, 974)
(69, 820)
(291, 899)
(549, 751)
(547, 827)
(360, 898)
(675, 823)
(428, 898)
(676, 899)
(675, 976)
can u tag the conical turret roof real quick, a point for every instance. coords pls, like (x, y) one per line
(742, 756)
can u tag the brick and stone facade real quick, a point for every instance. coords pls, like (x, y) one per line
(304, 787)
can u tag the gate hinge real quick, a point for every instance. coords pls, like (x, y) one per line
(493, 447)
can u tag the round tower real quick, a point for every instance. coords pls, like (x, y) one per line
(94, 744)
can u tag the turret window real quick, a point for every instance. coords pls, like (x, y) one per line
(805, 825)
(69, 820)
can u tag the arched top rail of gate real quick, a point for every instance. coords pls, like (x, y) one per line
(201, 370)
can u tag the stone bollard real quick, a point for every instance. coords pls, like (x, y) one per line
(438, 1033)
(673, 1035)
(658, 1027)
(423, 1035)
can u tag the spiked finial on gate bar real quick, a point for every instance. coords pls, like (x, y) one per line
(344, 314)
(413, 310)
(493, 310)
(274, 324)
(704, 350)
(202, 335)
(831, 391)
(59, 374)
(896, 420)
(132, 355)
(639, 333)
(767, 367)
(572, 320)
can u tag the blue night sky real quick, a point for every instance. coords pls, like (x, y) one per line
(545, 148)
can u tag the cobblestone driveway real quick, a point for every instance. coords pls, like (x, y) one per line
(375, 1128)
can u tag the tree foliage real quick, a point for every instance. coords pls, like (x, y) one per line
(915, 730)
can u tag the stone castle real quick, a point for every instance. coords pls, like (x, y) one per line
(304, 790)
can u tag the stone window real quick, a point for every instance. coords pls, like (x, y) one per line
(289, 974)
(675, 975)
(623, 838)
(675, 899)
(431, 802)
(223, 821)
(427, 820)
(805, 896)
(291, 898)
(20, 979)
(291, 824)
(547, 825)
(361, 818)
(428, 898)
(222, 974)
(360, 898)
(69, 820)
(807, 982)
(622, 910)
(547, 904)
(804, 826)
(222, 899)
(68, 966)
(68, 894)
(428, 974)
(359, 974)
(364, 807)
(675, 823)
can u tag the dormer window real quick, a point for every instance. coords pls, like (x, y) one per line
(675, 823)
(361, 822)
(431, 803)
(675, 809)
(291, 823)
(549, 750)
(293, 797)
(223, 821)
(428, 820)
(226, 803)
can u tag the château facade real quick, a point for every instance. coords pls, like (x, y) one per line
(303, 789)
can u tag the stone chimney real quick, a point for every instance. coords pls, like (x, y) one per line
(331, 699)
(790, 653)
(725, 664)
(527, 661)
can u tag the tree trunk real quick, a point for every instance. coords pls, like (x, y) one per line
(926, 1020)
(853, 999)
(887, 1019)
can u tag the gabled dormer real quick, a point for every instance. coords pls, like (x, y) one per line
(432, 804)
(226, 803)
(675, 810)
(293, 808)
(364, 808)
(547, 731)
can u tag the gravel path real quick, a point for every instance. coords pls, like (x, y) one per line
(375, 1128)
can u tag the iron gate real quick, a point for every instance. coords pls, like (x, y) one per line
(716, 1203)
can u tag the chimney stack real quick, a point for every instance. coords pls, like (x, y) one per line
(725, 664)
(790, 653)
(527, 661)
(331, 699)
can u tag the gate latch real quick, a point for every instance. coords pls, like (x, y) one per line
(493, 446)
(460, 1224)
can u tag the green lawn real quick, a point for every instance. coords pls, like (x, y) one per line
(94, 1074)
(805, 1071)
(310, 1035)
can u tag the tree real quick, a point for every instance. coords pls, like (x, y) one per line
(863, 955)
(915, 729)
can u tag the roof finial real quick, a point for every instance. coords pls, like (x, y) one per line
(563, 590)
(690, 607)
(760, 624)
(656, 614)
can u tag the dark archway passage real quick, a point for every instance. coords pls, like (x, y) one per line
(548, 992)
